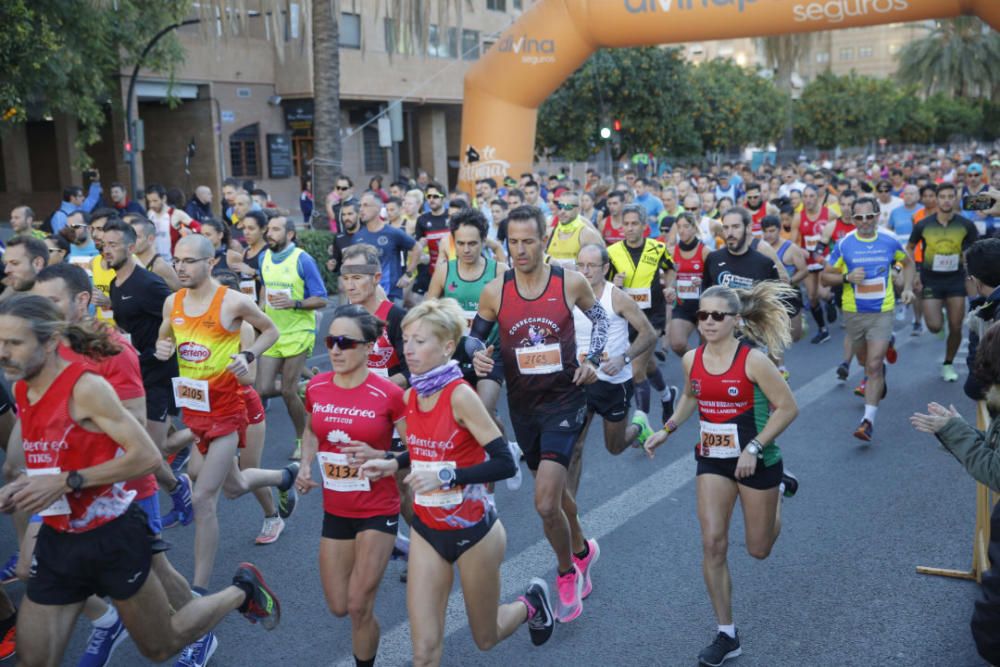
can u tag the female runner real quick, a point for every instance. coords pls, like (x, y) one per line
(353, 412)
(689, 255)
(732, 385)
(448, 435)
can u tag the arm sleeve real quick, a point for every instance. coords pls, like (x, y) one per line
(93, 197)
(500, 465)
(599, 333)
(969, 446)
(309, 272)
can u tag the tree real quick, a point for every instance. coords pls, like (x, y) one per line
(327, 149)
(956, 117)
(733, 107)
(843, 110)
(645, 88)
(62, 57)
(957, 57)
(783, 53)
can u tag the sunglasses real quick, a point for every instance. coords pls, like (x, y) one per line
(862, 217)
(566, 207)
(884, 190)
(342, 188)
(343, 342)
(715, 315)
(79, 226)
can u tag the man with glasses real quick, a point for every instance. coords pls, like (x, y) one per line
(74, 200)
(887, 202)
(708, 229)
(293, 290)
(82, 248)
(210, 361)
(986, 224)
(863, 263)
(758, 209)
(945, 236)
(571, 232)
(58, 248)
(343, 190)
(432, 230)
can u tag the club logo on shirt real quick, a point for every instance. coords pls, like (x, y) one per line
(696, 387)
(733, 391)
(193, 352)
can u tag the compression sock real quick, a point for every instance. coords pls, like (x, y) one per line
(358, 662)
(642, 396)
(656, 380)
(817, 313)
(730, 630)
(870, 412)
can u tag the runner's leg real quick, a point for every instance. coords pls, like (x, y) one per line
(43, 631)
(932, 314)
(576, 460)
(479, 572)
(250, 457)
(716, 499)
(218, 465)
(550, 498)
(372, 551)
(267, 375)
(427, 588)
(955, 306)
(679, 331)
(761, 518)
(291, 369)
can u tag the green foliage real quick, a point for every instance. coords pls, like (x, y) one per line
(62, 56)
(957, 57)
(316, 242)
(646, 88)
(956, 117)
(844, 110)
(732, 107)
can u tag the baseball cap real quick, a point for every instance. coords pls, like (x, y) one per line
(974, 168)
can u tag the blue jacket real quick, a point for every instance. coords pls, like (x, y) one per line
(66, 208)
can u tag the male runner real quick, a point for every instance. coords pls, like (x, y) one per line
(432, 229)
(571, 232)
(640, 267)
(807, 231)
(945, 236)
(201, 325)
(24, 257)
(145, 252)
(293, 291)
(95, 540)
(744, 260)
(611, 394)
(532, 303)
(863, 262)
(392, 244)
(794, 258)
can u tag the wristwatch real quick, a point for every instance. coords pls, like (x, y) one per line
(755, 448)
(595, 360)
(249, 355)
(447, 477)
(74, 481)
(297, 305)
(389, 456)
(628, 359)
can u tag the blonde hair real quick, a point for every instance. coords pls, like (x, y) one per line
(415, 193)
(444, 316)
(763, 311)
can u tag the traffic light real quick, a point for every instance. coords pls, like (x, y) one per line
(605, 133)
(617, 125)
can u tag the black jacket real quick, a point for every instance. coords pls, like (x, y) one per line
(986, 616)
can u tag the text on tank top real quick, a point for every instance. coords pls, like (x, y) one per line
(689, 273)
(204, 349)
(811, 230)
(383, 356)
(53, 442)
(435, 441)
(617, 337)
(731, 408)
(538, 345)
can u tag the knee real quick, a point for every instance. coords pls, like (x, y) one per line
(715, 548)
(873, 367)
(548, 505)
(757, 550)
(203, 501)
(234, 491)
(360, 608)
(678, 347)
(337, 608)
(484, 642)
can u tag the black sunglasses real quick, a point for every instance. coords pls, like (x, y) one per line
(715, 315)
(343, 342)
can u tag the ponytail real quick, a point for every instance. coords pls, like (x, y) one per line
(763, 310)
(91, 338)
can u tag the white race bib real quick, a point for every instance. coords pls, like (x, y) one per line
(338, 475)
(249, 288)
(61, 506)
(539, 359)
(641, 295)
(688, 288)
(191, 394)
(945, 263)
(441, 497)
(719, 441)
(870, 288)
(811, 242)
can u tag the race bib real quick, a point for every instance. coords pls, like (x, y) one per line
(719, 441)
(338, 475)
(191, 394)
(249, 288)
(539, 359)
(945, 263)
(870, 288)
(811, 242)
(641, 295)
(688, 288)
(83, 262)
(61, 505)
(274, 291)
(441, 497)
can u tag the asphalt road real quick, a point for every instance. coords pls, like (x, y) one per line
(839, 589)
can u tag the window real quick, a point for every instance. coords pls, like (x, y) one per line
(440, 47)
(244, 151)
(497, 5)
(847, 53)
(865, 52)
(518, 4)
(350, 30)
(823, 57)
(374, 154)
(470, 45)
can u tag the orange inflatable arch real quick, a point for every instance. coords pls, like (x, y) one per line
(554, 37)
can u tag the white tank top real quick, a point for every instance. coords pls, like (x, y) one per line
(162, 222)
(617, 343)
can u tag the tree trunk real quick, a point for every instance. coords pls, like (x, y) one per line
(327, 152)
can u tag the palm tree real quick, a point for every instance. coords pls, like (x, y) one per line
(957, 56)
(327, 149)
(783, 53)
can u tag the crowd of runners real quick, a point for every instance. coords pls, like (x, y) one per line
(140, 345)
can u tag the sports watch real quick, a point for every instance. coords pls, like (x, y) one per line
(74, 480)
(447, 477)
(755, 448)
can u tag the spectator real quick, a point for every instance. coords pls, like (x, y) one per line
(22, 221)
(199, 207)
(58, 248)
(306, 200)
(121, 203)
(82, 248)
(74, 200)
(983, 263)
(343, 190)
(375, 186)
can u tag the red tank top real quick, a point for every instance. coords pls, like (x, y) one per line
(689, 271)
(610, 234)
(383, 356)
(811, 231)
(841, 230)
(54, 442)
(434, 439)
(729, 398)
(122, 373)
(756, 217)
(538, 345)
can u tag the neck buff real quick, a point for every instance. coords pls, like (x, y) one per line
(435, 379)
(278, 257)
(687, 247)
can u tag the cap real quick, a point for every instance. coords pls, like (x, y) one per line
(974, 168)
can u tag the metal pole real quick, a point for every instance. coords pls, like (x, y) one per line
(129, 121)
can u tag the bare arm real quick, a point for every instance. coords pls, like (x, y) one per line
(767, 250)
(163, 269)
(437, 280)
(589, 235)
(765, 375)
(470, 412)
(244, 309)
(626, 307)
(799, 260)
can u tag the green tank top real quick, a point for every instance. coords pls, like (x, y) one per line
(467, 292)
(284, 277)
